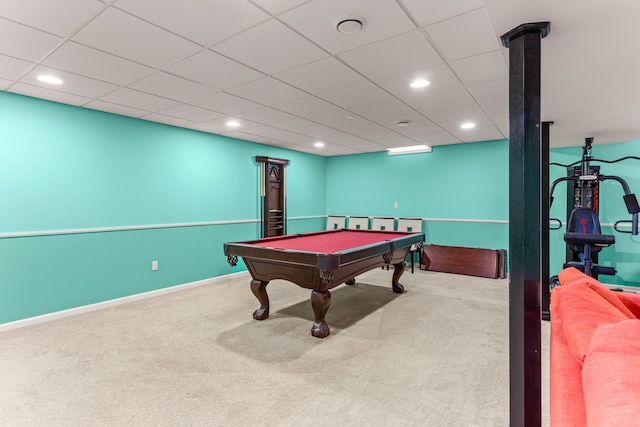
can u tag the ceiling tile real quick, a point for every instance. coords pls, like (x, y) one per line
(275, 133)
(444, 92)
(168, 120)
(277, 6)
(396, 141)
(362, 94)
(73, 83)
(480, 68)
(171, 87)
(225, 103)
(139, 100)
(495, 106)
(93, 63)
(268, 91)
(317, 21)
(431, 11)
(115, 108)
(490, 90)
(4, 84)
(271, 47)
(205, 24)
(359, 143)
(321, 76)
(471, 113)
(266, 115)
(445, 140)
(305, 127)
(192, 113)
(214, 70)
(13, 68)
(337, 118)
(134, 39)
(61, 17)
(306, 106)
(23, 42)
(501, 120)
(51, 95)
(388, 113)
(216, 126)
(399, 54)
(446, 35)
(458, 114)
(420, 129)
(256, 138)
(365, 129)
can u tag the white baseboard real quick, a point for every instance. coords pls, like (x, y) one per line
(111, 303)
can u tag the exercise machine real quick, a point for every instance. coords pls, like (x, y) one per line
(584, 237)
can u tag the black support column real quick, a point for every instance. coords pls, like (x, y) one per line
(544, 183)
(525, 223)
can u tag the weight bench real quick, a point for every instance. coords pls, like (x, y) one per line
(584, 236)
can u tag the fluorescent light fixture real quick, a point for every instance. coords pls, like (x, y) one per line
(319, 144)
(408, 150)
(418, 83)
(49, 79)
(467, 125)
(232, 123)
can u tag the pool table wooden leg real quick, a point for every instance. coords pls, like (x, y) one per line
(259, 289)
(320, 301)
(397, 272)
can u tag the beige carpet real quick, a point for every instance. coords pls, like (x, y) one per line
(436, 355)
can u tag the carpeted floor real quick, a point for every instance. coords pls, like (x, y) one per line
(436, 355)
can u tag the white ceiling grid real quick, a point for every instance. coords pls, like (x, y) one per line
(281, 68)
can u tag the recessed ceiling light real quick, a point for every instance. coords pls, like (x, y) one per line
(402, 123)
(319, 144)
(467, 125)
(418, 83)
(46, 78)
(232, 123)
(350, 25)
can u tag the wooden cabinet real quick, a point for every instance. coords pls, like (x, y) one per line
(273, 196)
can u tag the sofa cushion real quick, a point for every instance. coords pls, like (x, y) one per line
(582, 310)
(572, 275)
(610, 379)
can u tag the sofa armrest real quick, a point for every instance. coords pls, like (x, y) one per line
(631, 300)
(566, 394)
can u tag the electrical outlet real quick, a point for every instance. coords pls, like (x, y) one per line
(154, 265)
(395, 205)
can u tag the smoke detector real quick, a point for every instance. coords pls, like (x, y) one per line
(350, 25)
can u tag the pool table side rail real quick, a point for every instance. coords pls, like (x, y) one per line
(325, 261)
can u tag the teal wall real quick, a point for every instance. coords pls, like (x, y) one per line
(453, 182)
(470, 182)
(68, 168)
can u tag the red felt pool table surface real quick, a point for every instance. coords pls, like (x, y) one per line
(329, 242)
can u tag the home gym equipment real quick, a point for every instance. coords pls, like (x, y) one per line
(583, 236)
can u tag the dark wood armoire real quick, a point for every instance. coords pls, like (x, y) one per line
(273, 195)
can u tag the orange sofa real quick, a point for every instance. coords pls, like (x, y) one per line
(595, 354)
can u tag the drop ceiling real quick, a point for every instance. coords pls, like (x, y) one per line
(290, 78)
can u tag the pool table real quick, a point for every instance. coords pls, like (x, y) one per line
(320, 261)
